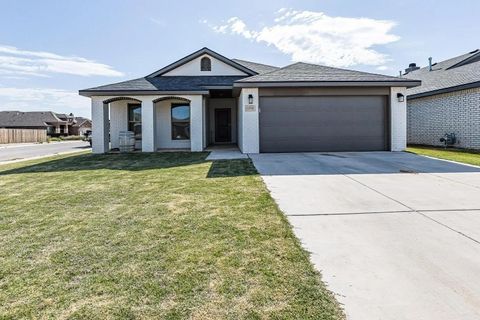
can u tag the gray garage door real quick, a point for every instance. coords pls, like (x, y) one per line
(333, 123)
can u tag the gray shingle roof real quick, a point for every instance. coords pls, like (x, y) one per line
(451, 73)
(297, 72)
(79, 121)
(16, 119)
(259, 68)
(168, 83)
(306, 72)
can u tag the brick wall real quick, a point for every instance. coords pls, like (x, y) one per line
(429, 118)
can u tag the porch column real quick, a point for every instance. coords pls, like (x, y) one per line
(148, 125)
(398, 116)
(249, 113)
(100, 126)
(196, 123)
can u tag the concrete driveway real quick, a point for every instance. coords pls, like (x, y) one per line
(395, 235)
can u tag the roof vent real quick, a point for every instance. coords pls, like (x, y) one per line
(411, 67)
(474, 51)
(430, 64)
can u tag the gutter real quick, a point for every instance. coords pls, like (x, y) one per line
(87, 93)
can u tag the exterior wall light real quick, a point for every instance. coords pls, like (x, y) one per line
(250, 99)
(400, 97)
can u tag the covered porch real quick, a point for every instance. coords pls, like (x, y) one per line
(165, 122)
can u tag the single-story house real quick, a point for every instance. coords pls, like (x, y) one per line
(54, 124)
(207, 99)
(448, 101)
(46, 120)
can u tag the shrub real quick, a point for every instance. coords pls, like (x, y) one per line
(52, 139)
(72, 138)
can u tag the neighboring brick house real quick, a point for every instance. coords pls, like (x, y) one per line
(448, 101)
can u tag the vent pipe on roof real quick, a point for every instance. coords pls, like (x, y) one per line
(430, 64)
(411, 67)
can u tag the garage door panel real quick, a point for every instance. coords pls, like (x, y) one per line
(294, 124)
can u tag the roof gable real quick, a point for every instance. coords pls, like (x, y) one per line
(190, 66)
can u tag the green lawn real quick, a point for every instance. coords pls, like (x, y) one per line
(166, 236)
(464, 156)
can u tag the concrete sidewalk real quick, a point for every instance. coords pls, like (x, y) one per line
(395, 235)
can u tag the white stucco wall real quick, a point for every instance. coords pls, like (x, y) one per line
(192, 68)
(249, 121)
(164, 127)
(398, 116)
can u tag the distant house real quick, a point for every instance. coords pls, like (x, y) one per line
(55, 124)
(80, 127)
(448, 101)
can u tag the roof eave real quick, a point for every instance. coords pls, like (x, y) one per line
(92, 93)
(408, 84)
(445, 90)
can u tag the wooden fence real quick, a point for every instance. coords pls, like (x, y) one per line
(22, 135)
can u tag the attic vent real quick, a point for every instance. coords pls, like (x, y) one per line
(205, 64)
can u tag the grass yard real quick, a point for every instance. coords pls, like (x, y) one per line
(465, 156)
(165, 235)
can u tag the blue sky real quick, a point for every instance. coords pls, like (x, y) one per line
(51, 49)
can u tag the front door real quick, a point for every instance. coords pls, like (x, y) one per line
(223, 125)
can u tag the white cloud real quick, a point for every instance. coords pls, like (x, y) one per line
(41, 99)
(159, 22)
(383, 68)
(318, 38)
(14, 61)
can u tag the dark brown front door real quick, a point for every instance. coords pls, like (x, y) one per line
(223, 125)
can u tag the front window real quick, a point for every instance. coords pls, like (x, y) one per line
(180, 121)
(135, 119)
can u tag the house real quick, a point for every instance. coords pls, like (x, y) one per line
(45, 120)
(207, 99)
(448, 101)
(54, 124)
(80, 126)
